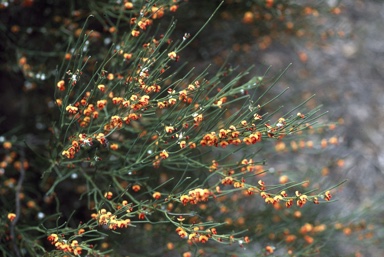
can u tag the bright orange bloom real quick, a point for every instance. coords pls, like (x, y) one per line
(114, 147)
(173, 56)
(183, 144)
(173, 8)
(203, 239)
(156, 195)
(327, 196)
(136, 188)
(184, 199)
(128, 5)
(157, 12)
(7, 145)
(108, 195)
(71, 109)
(135, 33)
(53, 238)
(11, 216)
(101, 104)
(169, 129)
(61, 85)
(164, 154)
(101, 87)
(269, 249)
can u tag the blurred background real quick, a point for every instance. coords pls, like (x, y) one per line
(337, 52)
(336, 49)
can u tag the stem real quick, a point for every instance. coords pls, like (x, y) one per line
(17, 201)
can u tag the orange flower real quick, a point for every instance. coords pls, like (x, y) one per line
(289, 203)
(135, 33)
(108, 195)
(172, 101)
(101, 138)
(223, 133)
(308, 239)
(269, 3)
(101, 87)
(61, 85)
(169, 129)
(283, 179)
(184, 199)
(77, 250)
(269, 249)
(203, 239)
(302, 200)
(71, 109)
(162, 105)
(59, 102)
(227, 181)
(290, 238)
(114, 147)
(101, 104)
(327, 196)
(180, 218)
(116, 121)
(182, 233)
(11, 216)
(170, 246)
(198, 118)
(127, 56)
(7, 145)
(183, 144)
(164, 154)
(306, 228)
(173, 8)
(53, 238)
(157, 12)
(128, 5)
(156, 195)
(173, 56)
(136, 188)
(248, 17)
(223, 144)
(144, 23)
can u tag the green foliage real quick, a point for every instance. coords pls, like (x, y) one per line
(137, 148)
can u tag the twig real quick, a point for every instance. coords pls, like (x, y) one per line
(17, 201)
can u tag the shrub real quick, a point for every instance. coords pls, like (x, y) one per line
(146, 153)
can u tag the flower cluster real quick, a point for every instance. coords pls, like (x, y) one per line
(301, 199)
(195, 196)
(61, 244)
(104, 217)
(196, 235)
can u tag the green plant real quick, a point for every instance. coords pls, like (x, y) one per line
(140, 146)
